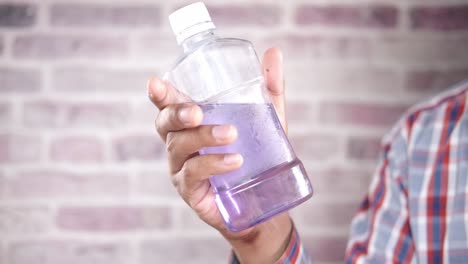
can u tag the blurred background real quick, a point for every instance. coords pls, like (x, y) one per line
(83, 175)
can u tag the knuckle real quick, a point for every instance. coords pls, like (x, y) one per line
(165, 118)
(206, 135)
(201, 137)
(195, 139)
(158, 124)
(171, 143)
(176, 182)
(181, 182)
(173, 111)
(187, 169)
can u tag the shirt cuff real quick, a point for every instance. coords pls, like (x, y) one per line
(294, 253)
(293, 250)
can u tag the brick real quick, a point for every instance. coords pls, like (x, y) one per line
(166, 52)
(190, 221)
(360, 148)
(53, 114)
(156, 184)
(88, 79)
(5, 114)
(43, 114)
(112, 219)
(68, 251)
(24, 220)
(17, 14)
(349, 184)
(196, 250)
(319, 47)
(2, 184)
(2, 254)
(77, 149)
(315, 146)
(97, 114)
(439, 18)
(98, 15)
(360, 114)
(326, 249)
(252, 15)
(54, 46)
(332, 215)
(299, 112)
(2, 45)
(421, 51)
(362, 80)
(144, 112)
(14, 80)
(365, 16)
(433, 81)
(55, 183)
(140, 147)
(19, 148)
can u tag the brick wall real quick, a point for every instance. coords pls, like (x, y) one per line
(83, 175)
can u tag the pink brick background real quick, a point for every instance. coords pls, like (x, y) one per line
(83, 176)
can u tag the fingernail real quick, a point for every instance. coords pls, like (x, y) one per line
(185, 115)
(158, 84)
(230, 159)
(222, 132)
(155, 87)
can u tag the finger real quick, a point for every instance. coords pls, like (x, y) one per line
(162, 93)
(176, 117)
(273, 71)
(183, 144)
(200, 168)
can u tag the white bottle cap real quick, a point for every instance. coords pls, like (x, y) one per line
(190, 20)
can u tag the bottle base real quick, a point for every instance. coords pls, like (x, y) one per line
(270, 193)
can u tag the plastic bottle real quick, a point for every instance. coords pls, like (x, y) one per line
(224, 77)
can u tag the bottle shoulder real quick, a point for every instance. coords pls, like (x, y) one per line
(218, 44)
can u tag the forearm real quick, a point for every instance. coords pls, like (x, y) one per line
(266, 244)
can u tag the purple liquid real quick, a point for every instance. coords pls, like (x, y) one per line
(271, 179)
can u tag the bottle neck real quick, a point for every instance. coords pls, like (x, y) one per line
(198, 39)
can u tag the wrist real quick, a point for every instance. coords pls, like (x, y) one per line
(264, 243)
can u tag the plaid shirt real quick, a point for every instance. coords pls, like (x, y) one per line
(416, 210)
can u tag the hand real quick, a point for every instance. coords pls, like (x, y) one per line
(178, 124)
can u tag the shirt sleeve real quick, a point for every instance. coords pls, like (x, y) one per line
(380, 231)
(294, 254)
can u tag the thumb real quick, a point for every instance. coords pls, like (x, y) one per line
(273, 72)
(162, 93)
